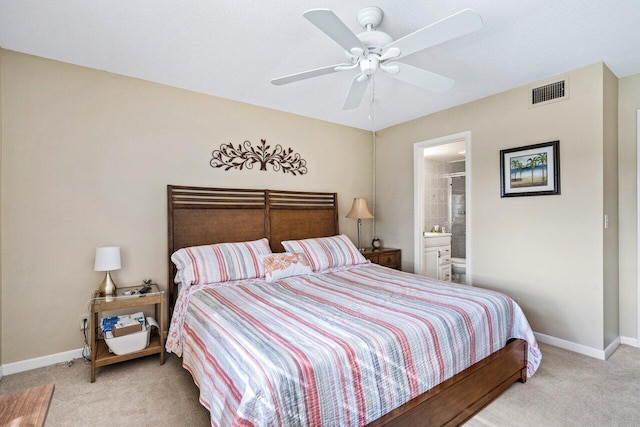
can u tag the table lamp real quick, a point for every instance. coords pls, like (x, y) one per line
(107, 259)
(359, 211)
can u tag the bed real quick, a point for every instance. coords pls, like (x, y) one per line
(346, 344)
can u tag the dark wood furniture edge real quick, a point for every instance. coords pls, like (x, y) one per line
(371, 253)
(459, 398)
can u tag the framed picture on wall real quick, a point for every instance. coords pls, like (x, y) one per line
(532, 170)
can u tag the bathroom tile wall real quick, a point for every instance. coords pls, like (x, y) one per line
(436, 194)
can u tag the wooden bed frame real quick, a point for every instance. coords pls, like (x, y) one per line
(199, 216)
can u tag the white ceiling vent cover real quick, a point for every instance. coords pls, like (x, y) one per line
(555, 91)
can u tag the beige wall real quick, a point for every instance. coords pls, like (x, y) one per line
(86, 159)
(546, 251)
(628, 105)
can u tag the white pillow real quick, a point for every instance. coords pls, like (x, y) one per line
(282, 265)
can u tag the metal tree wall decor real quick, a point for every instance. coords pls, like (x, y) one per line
(246, 156)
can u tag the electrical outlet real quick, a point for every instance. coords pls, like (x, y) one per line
(84, 322)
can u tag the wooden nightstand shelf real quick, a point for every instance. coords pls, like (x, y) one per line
(100, 355)
(387, 257)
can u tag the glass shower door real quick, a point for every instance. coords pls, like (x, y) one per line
(458, 213)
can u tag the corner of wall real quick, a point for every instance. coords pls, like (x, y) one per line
(610, 203)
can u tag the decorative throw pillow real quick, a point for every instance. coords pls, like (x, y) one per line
(327, 252)
(282, 265)
(221, 262)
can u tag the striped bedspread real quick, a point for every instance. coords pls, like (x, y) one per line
(335, 349)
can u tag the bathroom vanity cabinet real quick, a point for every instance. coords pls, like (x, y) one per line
(437, 256)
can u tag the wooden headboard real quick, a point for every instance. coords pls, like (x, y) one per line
(202, 215)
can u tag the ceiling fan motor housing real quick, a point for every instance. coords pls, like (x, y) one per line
(375, 40)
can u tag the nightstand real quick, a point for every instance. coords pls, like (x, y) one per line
(100, 355)
(387, 257)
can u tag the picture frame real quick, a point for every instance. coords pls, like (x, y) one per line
(530, 170)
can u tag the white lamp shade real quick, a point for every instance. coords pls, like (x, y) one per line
(359, 209)
(107, 258)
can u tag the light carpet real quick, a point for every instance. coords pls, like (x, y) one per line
(569, 389)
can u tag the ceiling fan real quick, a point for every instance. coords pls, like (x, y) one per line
(372, 50)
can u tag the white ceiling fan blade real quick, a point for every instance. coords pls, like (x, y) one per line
(356, 93)
(331, 25)
(464, 22)
(421, 78)
(309, 74)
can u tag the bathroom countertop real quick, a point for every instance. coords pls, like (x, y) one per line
(430, 234)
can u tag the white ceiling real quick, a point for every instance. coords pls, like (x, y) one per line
(451, 151)
(233, 48)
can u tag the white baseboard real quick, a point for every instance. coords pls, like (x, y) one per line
(579, 348)
(39, 362)
(611, 348)
(633, 342)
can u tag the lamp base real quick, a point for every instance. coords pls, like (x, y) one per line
(107, 287)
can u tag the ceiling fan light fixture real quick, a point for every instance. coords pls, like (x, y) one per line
(356, 52)
(391, 68)
(392, 52)
(370, 65)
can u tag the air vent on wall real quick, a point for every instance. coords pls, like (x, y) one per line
(548, 93)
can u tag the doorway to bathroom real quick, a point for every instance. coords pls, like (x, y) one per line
(441, 205)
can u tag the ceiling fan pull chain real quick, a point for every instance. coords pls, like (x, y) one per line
(371, 100)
